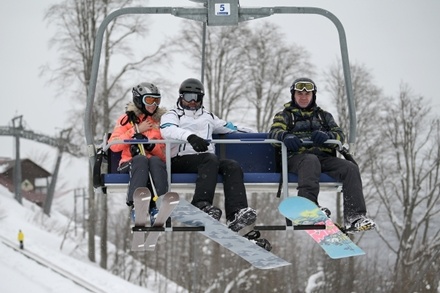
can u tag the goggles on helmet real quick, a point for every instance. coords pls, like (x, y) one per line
(150, 100)
(188, 97)
(304, 86)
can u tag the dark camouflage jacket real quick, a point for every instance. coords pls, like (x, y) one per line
(302, 123)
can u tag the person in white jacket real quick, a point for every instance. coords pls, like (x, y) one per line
(190, 122)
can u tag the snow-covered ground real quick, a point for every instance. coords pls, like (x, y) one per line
(44, 238)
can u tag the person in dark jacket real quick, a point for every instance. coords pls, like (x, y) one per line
(302, 120)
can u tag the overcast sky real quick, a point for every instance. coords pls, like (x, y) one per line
(398, 41)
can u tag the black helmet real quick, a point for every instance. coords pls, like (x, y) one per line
(306, 80)
(142, 89)
(191, 89)
(192, 85)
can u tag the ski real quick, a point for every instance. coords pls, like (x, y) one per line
(332, 240)
(141, 200)
(257, 256)
(168, 202)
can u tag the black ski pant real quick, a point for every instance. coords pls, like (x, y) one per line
(139, 168)
(308, 167)
(208, 166)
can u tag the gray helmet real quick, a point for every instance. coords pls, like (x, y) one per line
(305, 79)
(142, 89)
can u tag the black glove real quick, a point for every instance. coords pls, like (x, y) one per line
(134, 148)
(198, 143)
(319, 137)
(292, 142)
(139, 136)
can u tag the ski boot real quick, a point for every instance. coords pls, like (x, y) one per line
(153, 215)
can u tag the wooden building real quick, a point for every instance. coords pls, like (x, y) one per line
(34, 179)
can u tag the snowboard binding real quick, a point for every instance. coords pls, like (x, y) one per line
(254, 236)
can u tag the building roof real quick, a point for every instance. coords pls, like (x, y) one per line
(27, 166)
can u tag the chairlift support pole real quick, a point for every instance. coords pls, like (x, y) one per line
(17, 170)
(214, 13)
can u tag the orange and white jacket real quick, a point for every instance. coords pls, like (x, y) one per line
(124, 132)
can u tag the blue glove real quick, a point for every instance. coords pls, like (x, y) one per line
(292, 142)
(319, 137)
(231, 126)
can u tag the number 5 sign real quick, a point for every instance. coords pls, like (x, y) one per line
(222, 9)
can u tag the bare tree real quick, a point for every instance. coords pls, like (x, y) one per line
(406, 178)
(223, 62)
(271, 65)
(242, 66)
(77, 23)
(398, 153)
(367, 98)
(224, 65)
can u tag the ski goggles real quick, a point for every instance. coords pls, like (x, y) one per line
(150, 100)
(188, 97)
(304, 86)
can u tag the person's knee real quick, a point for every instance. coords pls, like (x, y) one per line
(310, 161)
(351, 168)
(234, 165)
(139, 160)
(211, 159)
(156, 161)
(230, 167)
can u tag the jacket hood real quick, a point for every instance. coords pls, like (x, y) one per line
(156, 116)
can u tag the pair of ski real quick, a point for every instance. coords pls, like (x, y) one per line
(141, 198)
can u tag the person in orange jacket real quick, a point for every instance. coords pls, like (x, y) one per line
(141, 121)
(21, 239)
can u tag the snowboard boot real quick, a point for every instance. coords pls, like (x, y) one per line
(242, 218)
(360, 224)
(211, 210)
(326, 211)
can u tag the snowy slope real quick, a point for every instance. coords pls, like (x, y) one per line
(20, 273)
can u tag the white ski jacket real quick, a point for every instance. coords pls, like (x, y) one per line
(178, 124)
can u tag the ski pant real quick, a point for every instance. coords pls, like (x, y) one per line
(208, 166)
(139, 168)
(309, 167)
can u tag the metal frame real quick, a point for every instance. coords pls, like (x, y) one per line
(251, 187)
(206, 16)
